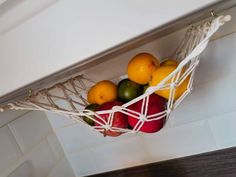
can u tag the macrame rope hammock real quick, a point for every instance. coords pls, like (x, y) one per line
(68, 98)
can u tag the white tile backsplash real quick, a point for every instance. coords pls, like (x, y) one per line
(58, 120)
(10, 115)
(113, 155)
(42, 159)
(217, 61)
(24, 170)
(120, 154)
(80, 136)
(30, 139)
(83, 162)
(215, 84)
(30, 129)
(206, 101)
(62, 169)
(189, 139)
(223, 128)
(55, 146)
(9, 150)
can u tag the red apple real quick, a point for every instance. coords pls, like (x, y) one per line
(120, 120)
(156, 104)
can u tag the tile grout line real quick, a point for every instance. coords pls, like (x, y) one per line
(17, 138)
(211, 134)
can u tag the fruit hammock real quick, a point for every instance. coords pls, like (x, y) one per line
(69, 98)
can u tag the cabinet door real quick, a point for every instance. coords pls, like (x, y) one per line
(63, 33)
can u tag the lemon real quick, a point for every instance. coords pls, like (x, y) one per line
(161, 73)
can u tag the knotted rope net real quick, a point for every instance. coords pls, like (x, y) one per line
(68, 98)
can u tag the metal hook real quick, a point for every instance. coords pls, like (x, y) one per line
(30, 92)
(190, 28)
(209, 23)
(213, 13)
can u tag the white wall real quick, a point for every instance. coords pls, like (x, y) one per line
(59, 33)
(204, 122)
(30, 148)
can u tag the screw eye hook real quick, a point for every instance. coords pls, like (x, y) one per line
(213, 13)
(30, 92)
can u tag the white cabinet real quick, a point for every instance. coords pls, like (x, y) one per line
(38, 39)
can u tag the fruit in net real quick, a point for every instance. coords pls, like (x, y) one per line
(128, 90)
(156, 105)
(169, 62)
(87, 119)
(161, 73)
(141, 67)
(119, 119)
(101, 92)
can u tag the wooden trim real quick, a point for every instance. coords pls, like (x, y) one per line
(220, 163)
(117, 50)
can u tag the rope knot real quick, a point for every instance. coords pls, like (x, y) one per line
(107, 127)
(142, 117)
(173, 85)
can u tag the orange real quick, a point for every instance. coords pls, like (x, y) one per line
(141, 67)
(168, 62)
(161, 73)
(102, 92)
(91, 96)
